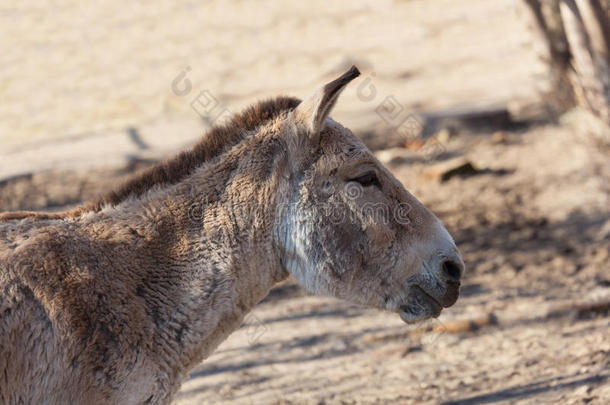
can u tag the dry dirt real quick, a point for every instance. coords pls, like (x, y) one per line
(77, 76)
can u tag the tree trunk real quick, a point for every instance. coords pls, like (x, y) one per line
(573, 38)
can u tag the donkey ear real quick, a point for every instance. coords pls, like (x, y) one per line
(314, 110)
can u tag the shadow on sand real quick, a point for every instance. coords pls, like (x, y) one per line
(528, 390)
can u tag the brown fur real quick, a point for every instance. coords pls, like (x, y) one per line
(115, 302)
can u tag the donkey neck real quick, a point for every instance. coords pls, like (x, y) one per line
(205, 252)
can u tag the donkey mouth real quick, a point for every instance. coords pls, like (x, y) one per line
(419, 306)
(422, 305)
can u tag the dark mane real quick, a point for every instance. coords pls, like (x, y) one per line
(215, 142)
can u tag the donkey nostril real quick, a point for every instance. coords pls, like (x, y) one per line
(452, 269)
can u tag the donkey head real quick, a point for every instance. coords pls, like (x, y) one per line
(351, 230)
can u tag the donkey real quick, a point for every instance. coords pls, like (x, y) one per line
(115, 301)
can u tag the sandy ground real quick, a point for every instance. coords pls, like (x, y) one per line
(87, 98)
(77, 76)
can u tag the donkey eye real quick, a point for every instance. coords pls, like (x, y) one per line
(367, 179)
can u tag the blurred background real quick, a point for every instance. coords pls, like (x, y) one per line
(495, 114)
